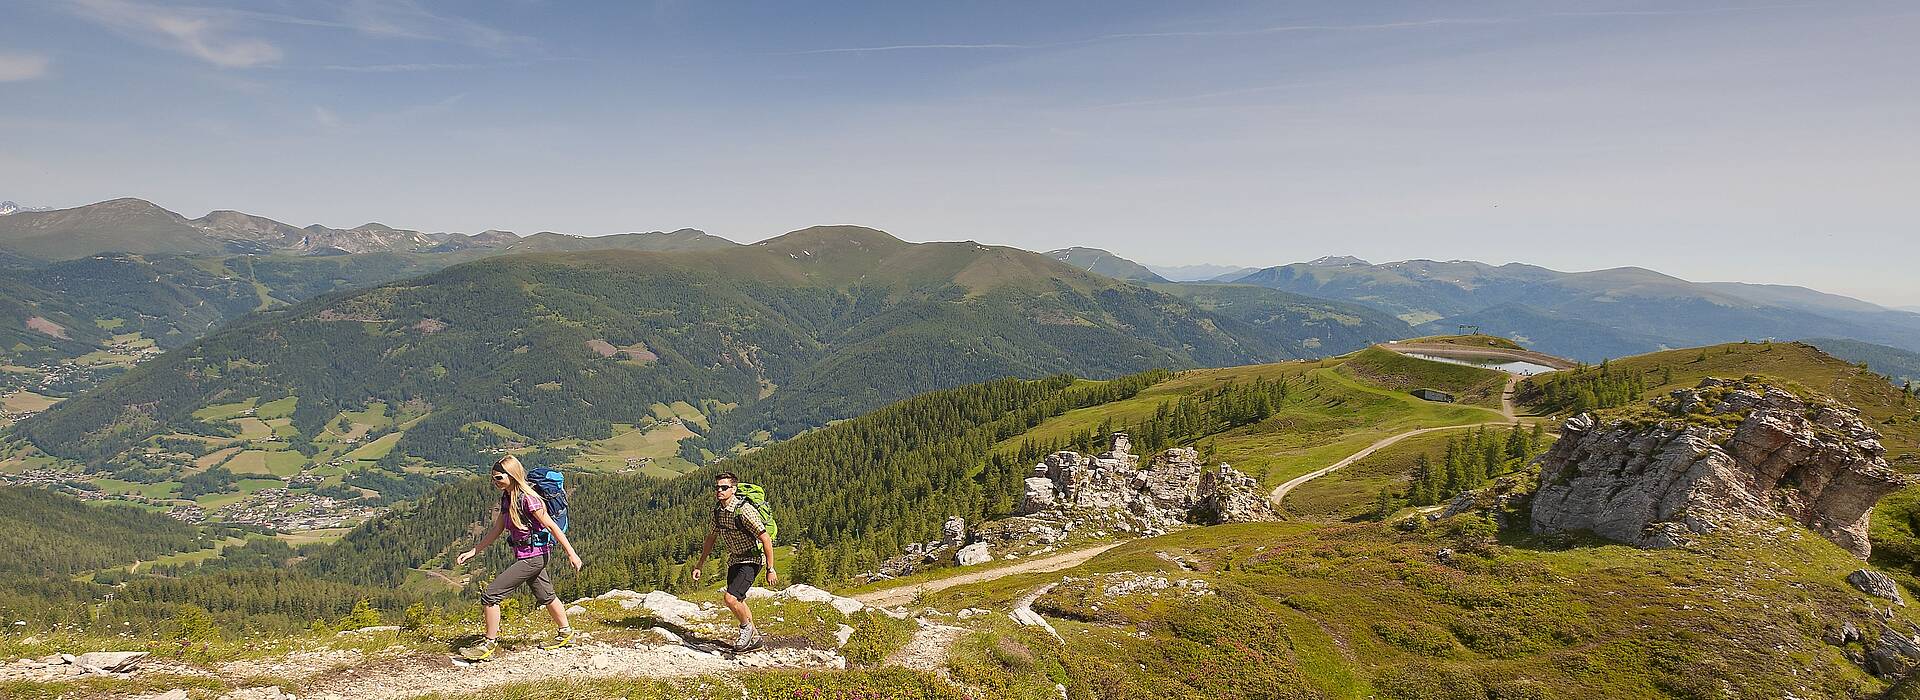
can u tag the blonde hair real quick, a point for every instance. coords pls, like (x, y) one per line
(517, 491)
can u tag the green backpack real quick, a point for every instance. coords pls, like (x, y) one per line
(758, 497)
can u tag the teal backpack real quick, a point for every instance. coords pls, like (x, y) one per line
(758, 497)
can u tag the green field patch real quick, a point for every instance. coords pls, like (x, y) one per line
(225, 411)
(679, 409)
(278, 408)
(24, 401)
(655, 443)
(504, 431)
(375, 415)
(252, 428)
(163, 489)
(107, 324)
(273, 462)
(283, 428)
(376, 449)
(247, 487)
(216, 457)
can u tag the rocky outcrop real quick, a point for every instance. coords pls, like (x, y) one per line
(1172, 489)
(1721, 454)
(1072, 499)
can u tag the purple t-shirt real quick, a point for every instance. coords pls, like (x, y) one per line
(527, 508)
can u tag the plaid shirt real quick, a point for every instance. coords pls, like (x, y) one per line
(738, 527)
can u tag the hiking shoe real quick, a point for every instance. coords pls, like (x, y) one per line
(560, 639)
(480, 652)
(749, 639)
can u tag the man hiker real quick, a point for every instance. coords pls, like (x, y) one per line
(749, 548)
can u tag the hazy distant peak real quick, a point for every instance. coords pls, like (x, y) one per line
(1101, 262)
(814, 240)
(1337, 261)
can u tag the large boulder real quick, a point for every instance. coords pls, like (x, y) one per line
(1878, 584)
(1721, 454)
(976, 553)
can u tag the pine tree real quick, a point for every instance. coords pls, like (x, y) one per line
(805, 560)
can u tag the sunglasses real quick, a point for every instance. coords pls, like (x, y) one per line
(499, 476)
(722, 487)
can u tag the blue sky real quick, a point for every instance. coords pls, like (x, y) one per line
(1751, 141)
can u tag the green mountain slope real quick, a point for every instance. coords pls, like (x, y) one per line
(1901, 365)
(762, 340)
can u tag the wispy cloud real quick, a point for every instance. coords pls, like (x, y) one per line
(22, 66)
(1297, 28)
(231, 38)
(209, 35)
(914, 47)
(404, 67)
(326, 118)
(408, 19)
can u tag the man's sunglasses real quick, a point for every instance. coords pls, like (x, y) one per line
(723, 487)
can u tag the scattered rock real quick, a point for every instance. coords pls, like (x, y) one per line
(1726, 453)
(576, 610)
(265, 692)
(666, 635)
(1875, 583)
(369, 630)
(841, 634)
(175, 694)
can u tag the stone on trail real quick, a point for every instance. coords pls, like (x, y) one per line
(809, 594)
(667, 608)
(576, 610)
(841, 635)
(112, 661)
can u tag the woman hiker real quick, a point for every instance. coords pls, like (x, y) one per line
(523, 516)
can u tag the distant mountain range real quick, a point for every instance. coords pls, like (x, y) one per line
(768, 340)
(137, 226)
(1199, 273)
(9, 207)
(1589, 315)
(86, 279)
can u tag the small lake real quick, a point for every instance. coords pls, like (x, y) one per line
(1522, 368)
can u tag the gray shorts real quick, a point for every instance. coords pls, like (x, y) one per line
(531, 571)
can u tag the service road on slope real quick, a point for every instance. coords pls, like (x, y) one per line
(904, 594)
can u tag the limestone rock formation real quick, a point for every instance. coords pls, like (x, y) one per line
(1720, 454)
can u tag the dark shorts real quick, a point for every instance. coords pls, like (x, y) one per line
(531, 571)
(740, 578)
